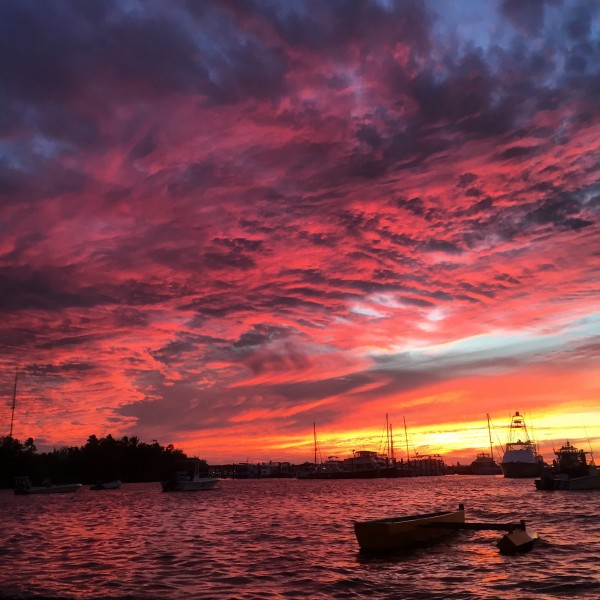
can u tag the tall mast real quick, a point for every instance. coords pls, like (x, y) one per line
(392, 442)
(490, 434)
(589, 443)
(406, 436)
(387, 440)
(535, 446)
(12, 416)
(315, 438)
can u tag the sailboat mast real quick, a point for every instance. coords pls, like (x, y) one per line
(315, 438)
(490, 434)
(12, 416)
(387, 440)
(392, 443)
(406, 436)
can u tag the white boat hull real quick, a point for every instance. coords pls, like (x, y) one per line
(520, 458)
(202, 484)
(193, 485)
(49, 489)
(109, 485)
(55, 489)
(563, 482)
(518, 470)
(588, 482)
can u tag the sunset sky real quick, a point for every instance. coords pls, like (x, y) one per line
(224, 221)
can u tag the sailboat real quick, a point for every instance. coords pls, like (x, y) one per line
(520, 457)
(12, 414)
(330, 469)
(368, 464)
(363, 464)
(485, 464)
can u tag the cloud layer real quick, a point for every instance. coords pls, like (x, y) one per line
(224, 221)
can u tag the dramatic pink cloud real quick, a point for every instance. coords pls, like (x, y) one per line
(222, 222)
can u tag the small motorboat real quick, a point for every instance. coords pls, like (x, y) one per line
(107, 485)
(188, 481)
(23, 486)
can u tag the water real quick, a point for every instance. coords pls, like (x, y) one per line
(257, 539)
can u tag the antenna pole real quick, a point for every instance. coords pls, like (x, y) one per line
(533, 436)
(589, 443)
(388, 449)
(12, 416)
(490, 434)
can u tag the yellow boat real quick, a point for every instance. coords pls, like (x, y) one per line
(404, 532)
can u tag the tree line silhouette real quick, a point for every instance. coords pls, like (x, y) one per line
(100, 459)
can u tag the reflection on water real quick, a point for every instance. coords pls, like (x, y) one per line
(292, 539)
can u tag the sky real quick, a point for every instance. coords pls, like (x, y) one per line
(226, 223)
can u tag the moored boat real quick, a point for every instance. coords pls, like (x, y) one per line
(405, 532)
(363, 464)
(520, 458)
(187, 480)
(484, 464)
(190, 484)
(367, 464)
(570, 470)
(107, 485)
(24, 486)
(332, 468)
(384, 535)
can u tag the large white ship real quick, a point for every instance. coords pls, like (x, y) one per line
(520, 457)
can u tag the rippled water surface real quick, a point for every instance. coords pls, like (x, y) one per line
(292, 539)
